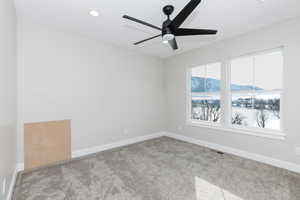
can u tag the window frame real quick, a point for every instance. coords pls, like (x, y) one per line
(189, 98)
(226, 99)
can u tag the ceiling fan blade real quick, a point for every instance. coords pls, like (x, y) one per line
(184, 13)
(187, 31)
(141, 22)
(147, 39)
(173, 44)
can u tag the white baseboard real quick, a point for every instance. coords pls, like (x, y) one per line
(20, 167)
(95, 149)
(87, 151)
(252, 156)
(12, 184)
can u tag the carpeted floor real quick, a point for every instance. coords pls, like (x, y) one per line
(159, 169)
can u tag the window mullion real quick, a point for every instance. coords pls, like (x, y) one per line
(188, 95)
(225, 94)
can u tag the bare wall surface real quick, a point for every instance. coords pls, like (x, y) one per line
(109, 93)
(284, 34)
(7, 92)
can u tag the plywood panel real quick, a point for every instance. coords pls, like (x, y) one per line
(46, 143)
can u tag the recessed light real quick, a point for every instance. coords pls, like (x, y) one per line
(94, 13)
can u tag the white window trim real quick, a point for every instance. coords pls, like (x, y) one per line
(266, 133)
(225, 94)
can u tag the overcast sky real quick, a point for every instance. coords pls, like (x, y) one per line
(264, 71)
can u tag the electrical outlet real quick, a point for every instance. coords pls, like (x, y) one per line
(4, 186)
(297, 151)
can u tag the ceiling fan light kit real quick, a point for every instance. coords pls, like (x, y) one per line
(168, 36)
(170, 28)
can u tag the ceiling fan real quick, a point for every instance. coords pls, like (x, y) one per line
(170, 28)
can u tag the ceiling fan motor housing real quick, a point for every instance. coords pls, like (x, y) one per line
(166, 28)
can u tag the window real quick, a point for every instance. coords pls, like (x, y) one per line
(244, 94)
(205, 90)
(256, 85)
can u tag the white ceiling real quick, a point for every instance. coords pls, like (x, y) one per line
(230, 17)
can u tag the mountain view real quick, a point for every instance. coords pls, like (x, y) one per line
(213, 85)
(256, 111)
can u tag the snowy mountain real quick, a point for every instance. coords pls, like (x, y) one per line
(213, 85)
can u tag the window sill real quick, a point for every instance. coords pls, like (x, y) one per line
(271, 134)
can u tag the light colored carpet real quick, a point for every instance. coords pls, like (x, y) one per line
(159, 169)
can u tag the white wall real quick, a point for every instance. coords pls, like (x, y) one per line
(286, 34)
(7, 91)
(103, 89)
(65, 76)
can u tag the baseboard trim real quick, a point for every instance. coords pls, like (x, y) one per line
(96, 149)
(245, 154)
(252, 156)
(87, 151)
(20, 167)
(12, 184)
